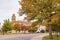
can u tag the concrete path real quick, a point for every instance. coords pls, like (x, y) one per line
(40, 36)
(23, 36)
(18, 36)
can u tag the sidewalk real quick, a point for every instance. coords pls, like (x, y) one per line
(39, 37)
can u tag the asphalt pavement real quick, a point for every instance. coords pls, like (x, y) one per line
(22, 36)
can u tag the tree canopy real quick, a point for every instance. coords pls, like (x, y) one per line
(55, 22)
(7, 26)
(39, 9)
(17, 27)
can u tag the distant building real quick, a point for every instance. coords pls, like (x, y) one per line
(24, 24)
(13, 18)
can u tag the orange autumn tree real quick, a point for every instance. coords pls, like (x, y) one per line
(55, 21)
(17, 27)
(40, 10)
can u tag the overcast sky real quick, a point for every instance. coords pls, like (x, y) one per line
(7, 8)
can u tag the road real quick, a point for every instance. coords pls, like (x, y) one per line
(19, 36)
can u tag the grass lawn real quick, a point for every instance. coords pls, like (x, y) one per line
(54, 37)
(0, 33)
(4, 33)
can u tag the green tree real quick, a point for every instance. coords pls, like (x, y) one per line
(7, 26)
(40, 10)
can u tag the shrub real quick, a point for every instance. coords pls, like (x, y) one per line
(42, 31)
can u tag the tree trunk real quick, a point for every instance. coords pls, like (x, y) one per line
(24, 31)
(3, 33)
(16, 31)
(50, 33)
(57, 34)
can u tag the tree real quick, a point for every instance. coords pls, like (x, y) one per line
(7, 26)
(17, 27)
(40, 10)
(33, 29)
(55, 21)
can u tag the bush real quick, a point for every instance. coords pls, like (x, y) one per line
(32, 31)
(47, 30)
(42, 31)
